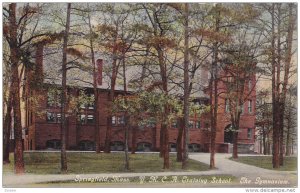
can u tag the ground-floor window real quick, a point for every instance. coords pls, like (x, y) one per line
(86, 145)
(172, 147)
(53, 144)
(249, 133)
(194, 147)
(144, 146)
(117, 146)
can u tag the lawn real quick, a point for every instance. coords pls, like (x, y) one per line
(85, 163)
(289, 164)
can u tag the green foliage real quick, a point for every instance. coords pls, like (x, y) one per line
(149, 107)
(82, 100)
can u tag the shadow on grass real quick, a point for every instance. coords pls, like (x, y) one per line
(90, 162)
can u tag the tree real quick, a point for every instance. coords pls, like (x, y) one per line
(287, 62)
(95, 84)
(7, 105)
(25, 37)
(159, 41)
(240, 68)
(186, 86)
(264, 120)
(279, 53)
(64, 166)
(113, 45)
(213, 92)
(15, 85)
(290, 119)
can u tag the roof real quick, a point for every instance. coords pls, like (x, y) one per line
(83, 76)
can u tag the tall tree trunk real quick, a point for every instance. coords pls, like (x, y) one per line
(235, 145)
(161, 141)
(7, 130)
(126, 117)
(280, 126)
(166, 147)
(281, 133)
(164, 125)
(275, 104)
(287, 61)
(96, 106)
(214, 94)
(186, 88)
(287, 146)
(64, 166)
(264, 141)
(111, 93)
(127, 125)
(179, 140)
(15, 58)
(133, 140)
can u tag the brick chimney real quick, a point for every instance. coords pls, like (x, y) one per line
(39, 63)
(99, 64)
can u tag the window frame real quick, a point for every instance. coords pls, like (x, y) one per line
(56, 118)
(191, 124)
(227, 106)
(83, 119)
(198, 124)
(249, 106)
(118, 120)
(249, 133)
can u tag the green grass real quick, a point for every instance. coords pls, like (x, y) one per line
(84, 163)
(289, 164)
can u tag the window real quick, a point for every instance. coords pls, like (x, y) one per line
(82, 119)
(89, 99)
(58, 117)
(54, 98)
(53, 144)
(191, 124)
(250, 106)
(242, 108)
(90, 119)
(198, 125)
(113, 120)
(249, 85)
(118, 120)
(121, 120)
(86, 119)
(52, 117)
(227, 105)
(249, 133)
(174, 124)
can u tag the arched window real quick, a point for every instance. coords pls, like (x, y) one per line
(86, 145)
(194, 147)
(172, 147)
(53, 144)
(117, 146)
(144, 146)
(228, 134)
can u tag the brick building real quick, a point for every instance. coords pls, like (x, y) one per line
(43, 121)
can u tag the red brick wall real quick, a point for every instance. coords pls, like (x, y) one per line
(41, 131)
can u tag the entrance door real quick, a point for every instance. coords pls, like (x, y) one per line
(228, 134)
